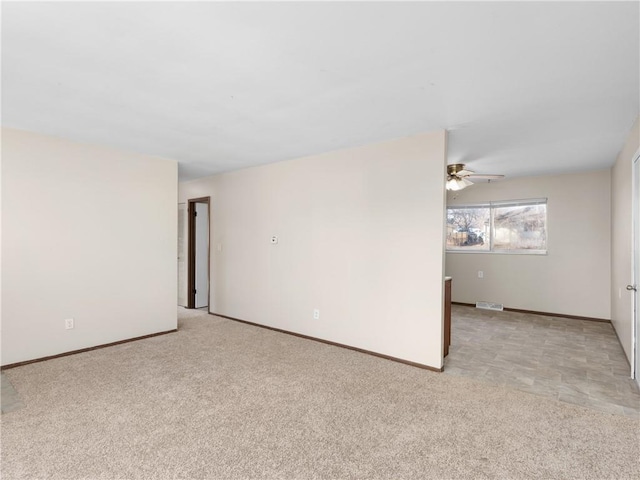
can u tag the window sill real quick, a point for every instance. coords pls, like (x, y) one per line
(506, 252)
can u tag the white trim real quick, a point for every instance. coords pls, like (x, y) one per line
(520, 203)
(635, 219)
(500, 203)
(500, 252)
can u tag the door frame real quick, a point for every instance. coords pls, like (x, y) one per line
(191, 255)
(635, 259)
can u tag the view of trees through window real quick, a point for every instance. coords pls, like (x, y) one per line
(468, 228)
(518, 226)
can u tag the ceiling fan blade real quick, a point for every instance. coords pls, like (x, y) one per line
(464, 173)
(481, 176)
(465, 181)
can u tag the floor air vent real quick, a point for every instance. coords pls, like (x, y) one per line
(490, 306)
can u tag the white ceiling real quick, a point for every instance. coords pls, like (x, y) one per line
(523, 88)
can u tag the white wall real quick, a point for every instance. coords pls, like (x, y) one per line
(88, 233)
(183, 253)
(574, 277)
(360, 238)
(621, 203)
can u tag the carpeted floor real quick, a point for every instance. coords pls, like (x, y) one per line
(224, 400)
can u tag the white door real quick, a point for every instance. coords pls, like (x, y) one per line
(636, 267)
(202, 255)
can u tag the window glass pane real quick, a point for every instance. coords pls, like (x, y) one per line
(520, 227)
(468, 229)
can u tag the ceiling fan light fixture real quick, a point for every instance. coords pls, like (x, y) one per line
(457, 176)
(455, 184)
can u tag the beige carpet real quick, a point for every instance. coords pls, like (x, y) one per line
(223, 400)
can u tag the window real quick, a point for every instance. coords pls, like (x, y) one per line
(468, 228)
(518, 226)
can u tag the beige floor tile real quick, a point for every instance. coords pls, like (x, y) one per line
(10, 400)
(573, 361)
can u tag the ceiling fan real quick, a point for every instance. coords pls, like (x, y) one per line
(458, 177)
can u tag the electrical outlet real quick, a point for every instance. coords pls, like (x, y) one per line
(316, 314)
(480, 274)
(68, 323)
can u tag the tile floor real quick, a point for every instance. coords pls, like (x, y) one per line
(9, 397)
(574, 361)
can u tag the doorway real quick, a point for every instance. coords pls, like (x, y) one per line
(198, 253)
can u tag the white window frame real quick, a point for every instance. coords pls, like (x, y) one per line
(504, 203)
